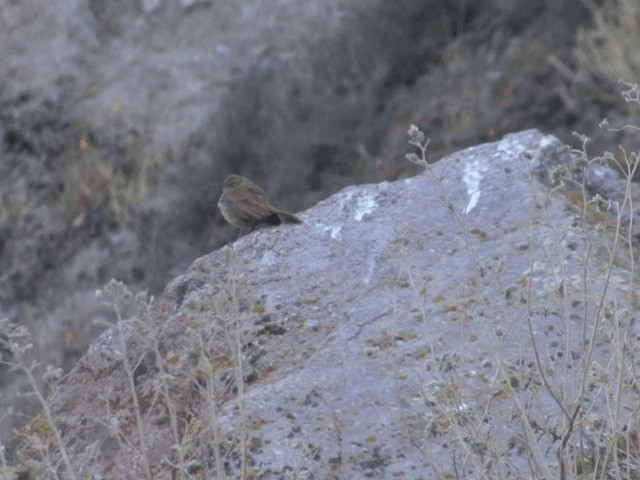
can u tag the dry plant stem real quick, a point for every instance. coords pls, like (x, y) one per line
(559, 281)
(599, 312)
(171, 408)
(112, 424)
(212, 397)
(132, 390)
(537, 459)
(600, 303)
(570, 413)
(428, 458)
(621, 339)
(419, 291)
(619, 361)
(235, 339)
(529, 314)
(48, 415)
(460, 219)
(461, 436)
(464, 439)
(631, 165)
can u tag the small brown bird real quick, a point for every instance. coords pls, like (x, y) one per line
(246, 205)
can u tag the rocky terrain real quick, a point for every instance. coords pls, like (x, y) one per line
(116, 116)
(479, 320)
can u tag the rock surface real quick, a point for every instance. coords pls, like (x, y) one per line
(115, 116)
(478, 319)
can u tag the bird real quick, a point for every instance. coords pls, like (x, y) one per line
(246, 205)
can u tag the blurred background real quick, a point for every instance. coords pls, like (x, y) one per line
(115, 116)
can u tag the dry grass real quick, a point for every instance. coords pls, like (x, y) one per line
(117, 183)
(609, 50)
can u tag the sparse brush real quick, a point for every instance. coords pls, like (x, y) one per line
(46, 433)
(588, 424)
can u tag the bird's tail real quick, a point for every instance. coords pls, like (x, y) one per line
(286, 217)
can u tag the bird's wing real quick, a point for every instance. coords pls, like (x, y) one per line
(253, 208)
(255, 190)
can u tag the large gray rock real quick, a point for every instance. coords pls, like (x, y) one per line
(470, 322)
